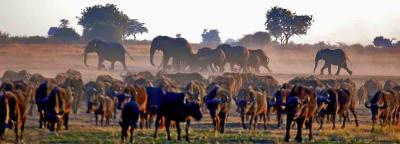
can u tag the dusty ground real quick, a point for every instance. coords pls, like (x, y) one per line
(50, 59)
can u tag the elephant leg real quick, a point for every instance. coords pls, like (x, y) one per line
(329, 70)
(347, 69)
(174, 64)
(338, 69)
(112, 65)
(124, 64)
(164, 63)
(100, 64)
(323, 68)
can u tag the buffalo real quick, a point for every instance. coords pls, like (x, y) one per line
(129, 116)
(301, 106)
(384, 106)
(176, 107)
(218, 101)
(253, 103)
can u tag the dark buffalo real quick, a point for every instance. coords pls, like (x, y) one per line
(279, 102)
(336, 102)
(129, 116)
(218, 102)
(154, 101)
(175, 107)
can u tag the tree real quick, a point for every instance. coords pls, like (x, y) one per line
(257, 40)
(382, 42)
(178, 35)
(64, 23)
(135, 27)
(211, 36)
(63, 32)
(103, 22)
(284, 24)
(4, 36)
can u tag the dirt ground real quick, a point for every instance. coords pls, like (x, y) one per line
(50, 59)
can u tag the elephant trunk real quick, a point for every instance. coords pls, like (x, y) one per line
(152, 51)
(85, 58)
(316, 64)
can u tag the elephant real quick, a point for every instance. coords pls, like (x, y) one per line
(215, 58)
(178, 49)
(236, 55)
(332, 57)
(258, 59)
(110, 51)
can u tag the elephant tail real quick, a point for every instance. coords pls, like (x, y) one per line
(130, 56)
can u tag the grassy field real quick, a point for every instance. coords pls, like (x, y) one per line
(83, 130)
(50, 59)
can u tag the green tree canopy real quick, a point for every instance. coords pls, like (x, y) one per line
(211, 36)
(283, 24)
(256, 40)
(63, 32)
(135, 27)
(382, 42)
(103, 22)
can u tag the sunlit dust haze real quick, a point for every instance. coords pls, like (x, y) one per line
(356, 21)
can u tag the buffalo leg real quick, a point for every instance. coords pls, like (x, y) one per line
(187, 130)
(178, 130)
(21, 138)
(157, 124)
(124, 133)
(243, 122)
(345, 115)
(279, 118)
(222, 121)
(251, 121)
(310, 121)
(96, 117)
(167, 124)
(322, 117)
(288, 126)
(334, 121)
(214, 120)
(16, 132)
(101, 119)
(131, 131)
(264, 115)
(353, 111)
(300, 123)
(66, 119)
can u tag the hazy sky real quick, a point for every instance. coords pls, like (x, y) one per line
(356, 21)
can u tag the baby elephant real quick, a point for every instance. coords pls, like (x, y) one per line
(130, 116)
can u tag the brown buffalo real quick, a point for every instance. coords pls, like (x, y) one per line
(384, 106)
(336, 102)
(253, 103)
(14, 107)
(301, 106)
